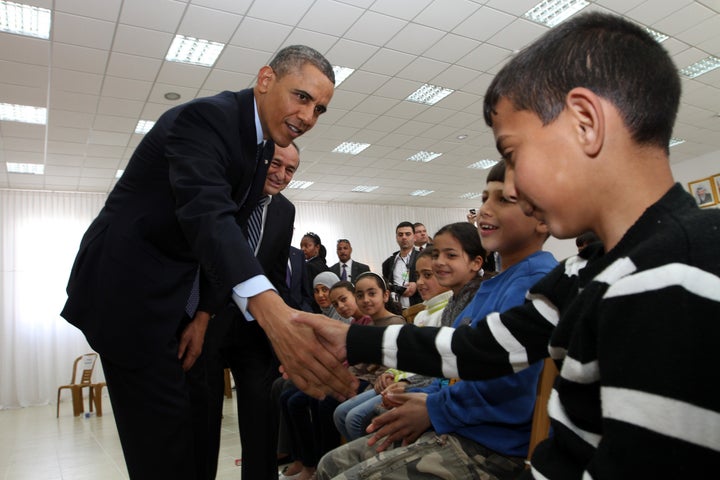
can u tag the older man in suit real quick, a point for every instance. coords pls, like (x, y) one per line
(347, 268)
(183, 207)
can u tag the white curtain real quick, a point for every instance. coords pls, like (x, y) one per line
(40, 233)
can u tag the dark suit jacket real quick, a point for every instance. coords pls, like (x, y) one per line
(299, 295)
(176, 207)
(387, 271)
(356, 269)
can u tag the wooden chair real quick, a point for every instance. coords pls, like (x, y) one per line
(81, 378)
(541, 421)
(96, 397)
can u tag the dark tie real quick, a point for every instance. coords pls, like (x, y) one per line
(194, 298)
(255, 222)
(343, 275)
(421, 249)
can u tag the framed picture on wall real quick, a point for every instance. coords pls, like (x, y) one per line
(716, 186)
(704, 191)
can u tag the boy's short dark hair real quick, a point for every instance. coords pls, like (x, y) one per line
(497, 172)
(615, 58)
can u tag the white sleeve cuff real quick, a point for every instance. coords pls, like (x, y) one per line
(249, 288)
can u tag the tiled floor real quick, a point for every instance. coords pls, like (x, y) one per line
(34, 445)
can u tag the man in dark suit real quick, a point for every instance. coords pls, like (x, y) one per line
(179, 209)
(399, 268)
(233, 341)
(347, 268)
(299, 293)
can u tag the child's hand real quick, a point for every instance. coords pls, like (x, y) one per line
(392, 389)
(382, 382)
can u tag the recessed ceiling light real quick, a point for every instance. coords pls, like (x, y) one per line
(195, 51)
(299, 184)
(462, 137)
(552, 12)
(23, 113)
(341, 74)
(172, 96)
(659, 37)
(421, 193)
(471, 195)
(365, 188)
(705, 65)
(351, 147)
(424, 156)
(24, 20)
(31, 168)
(119, 173)
(144, 126)
(483, 164)
(429, 94)
(676, 141)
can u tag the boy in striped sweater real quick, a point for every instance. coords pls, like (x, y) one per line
(583, 117)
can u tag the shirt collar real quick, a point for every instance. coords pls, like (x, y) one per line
(258, 126)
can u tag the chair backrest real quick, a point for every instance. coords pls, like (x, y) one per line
(83, 368)
(541, 420)
(410, 312)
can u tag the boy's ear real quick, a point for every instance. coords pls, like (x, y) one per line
(586, 110)
(542, 228)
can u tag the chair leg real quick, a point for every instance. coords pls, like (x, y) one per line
(96, 392)
(57, 415)
(77, 401)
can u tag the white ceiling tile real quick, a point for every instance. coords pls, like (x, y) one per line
(388, 62)
(652, 11)
(208, 24)
(516, 7)
(24, 74)
(234, 6)
(458, 100)
(17, 48)
(242, 60)
(398, 89)
(451, 48)
(455, 77)
(66, 148)
(119, 107)
(24, 181)
(281, 11)
(674, 46)
(435, 114)
(104, 10)
(126, 88)
(375, 28)
(68, 134)
(319, 41)
(376, 104)
(485, 57)
(108, 151)
(342, 15)
(422, 69)
(446, 15)
(83, 31)
(406, 110)
(357, 119)
(20, 95)
(406, 9)
(386, 123)
(22, 130)
(66, 118)
(114, 124)
(702, 31)
(75, 81)
(348, 53)
(142, 41)
(108, 138)
(484, 23)
(101, 162)
(62, 171)
(132, 66)
(219, 80)
(619, 6)
(162, 15)
(684, 19)
(73, 101)
(65, 160)
(415, 38)
(257, 34)
(157, 95)
(518, 34)
(364, 82)
(183, 74)
(347, 100)
(73, 57)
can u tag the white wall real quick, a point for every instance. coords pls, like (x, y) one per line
(697, 169)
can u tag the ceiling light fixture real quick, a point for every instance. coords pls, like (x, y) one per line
(462, 137)
(424, 156)
(341, 74)
(195, 51)
(119, 173)
(676, 141)
(23, 113)
(30, 168)
(172, 96)
(144, 126)
(483, 164)
(299, 184)
(552, 12)
(351, 148)
(705, 65)
(25, 20)
(471, 195)
(659, 37)
(421, 193)
(429, 94)
(365, 188)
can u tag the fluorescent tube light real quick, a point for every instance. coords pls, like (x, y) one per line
(144, 126)
(23, 113)
(552, 12)
(351, 148)
(31, 168)
(195, 51)
(421, 193)
(299, 184)
(483, 164)
(705, 65)
(341, 74)
(424, 156)
(24, 20)
(471, 195)
(429, 94)
(365, 188)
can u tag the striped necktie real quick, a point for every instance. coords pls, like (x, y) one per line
(343, 275)
(255, 222)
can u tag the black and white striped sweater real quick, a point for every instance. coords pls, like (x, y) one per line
(633, 332)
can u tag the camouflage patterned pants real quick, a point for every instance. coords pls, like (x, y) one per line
(430, 456)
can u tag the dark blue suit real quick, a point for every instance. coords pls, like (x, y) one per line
(190, 184)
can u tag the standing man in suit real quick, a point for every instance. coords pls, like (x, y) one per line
(399, 268)
(181, 209)
(347, 268)
(422, 241)
(233, 341)
(299, 292)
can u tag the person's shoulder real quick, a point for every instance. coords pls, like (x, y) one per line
(334, 267)
(281, 200)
